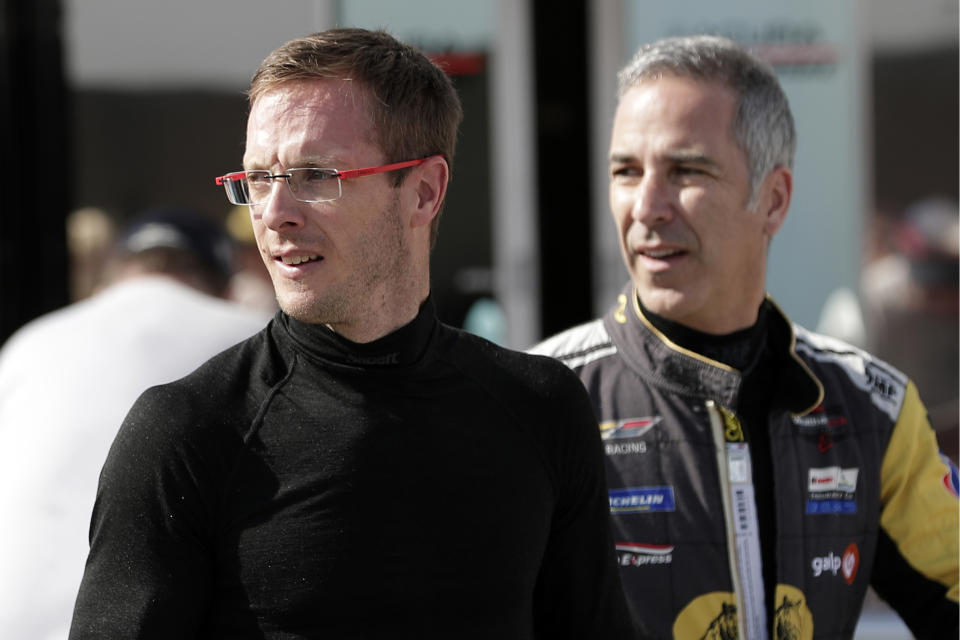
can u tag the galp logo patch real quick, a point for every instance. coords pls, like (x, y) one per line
(850, 562)
(845, 564)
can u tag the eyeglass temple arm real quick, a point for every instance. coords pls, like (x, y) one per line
(231, 177)
(357, 173)
(352, 173)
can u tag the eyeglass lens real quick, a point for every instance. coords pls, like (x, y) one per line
(306, 185)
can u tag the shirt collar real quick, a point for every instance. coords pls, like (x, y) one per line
(401, 348)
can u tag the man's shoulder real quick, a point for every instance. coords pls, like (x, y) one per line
(226, 381)
(824, 348)
(578, 345)
(258, 355)
(837, 363)
(512, 371)
(536, 394)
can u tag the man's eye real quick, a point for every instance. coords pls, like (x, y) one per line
(257, 177)
(626, 172)
(317, 175)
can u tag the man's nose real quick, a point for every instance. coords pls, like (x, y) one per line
(281, 210)
(653, 202)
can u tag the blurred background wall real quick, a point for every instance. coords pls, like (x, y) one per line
(110, 106)
(120, 104)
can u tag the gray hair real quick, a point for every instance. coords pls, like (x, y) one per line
(762, 125)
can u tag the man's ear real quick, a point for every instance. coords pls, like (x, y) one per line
(777, 190)
(430, 188)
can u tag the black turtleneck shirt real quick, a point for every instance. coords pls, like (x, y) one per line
(428, 484)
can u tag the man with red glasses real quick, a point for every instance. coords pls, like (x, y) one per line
(357, 469)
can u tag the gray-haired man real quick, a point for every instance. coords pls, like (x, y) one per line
(761, 477)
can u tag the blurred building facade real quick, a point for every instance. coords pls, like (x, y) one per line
(156, 110)
(118, 104)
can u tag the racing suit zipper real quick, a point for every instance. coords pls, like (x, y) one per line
(742, 528)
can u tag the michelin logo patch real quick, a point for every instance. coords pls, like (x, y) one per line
(641, 500)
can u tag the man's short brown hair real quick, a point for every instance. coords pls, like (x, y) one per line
(411, 102)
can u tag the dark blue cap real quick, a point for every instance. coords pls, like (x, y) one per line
(172, 227)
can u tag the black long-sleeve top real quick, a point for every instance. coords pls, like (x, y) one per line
(428, 484)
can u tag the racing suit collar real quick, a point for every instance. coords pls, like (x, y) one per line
(739, 349)
(664, 363)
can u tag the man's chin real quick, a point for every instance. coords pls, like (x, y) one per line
(304, 307)
(670, 304)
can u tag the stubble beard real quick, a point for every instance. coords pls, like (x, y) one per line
(378, 278)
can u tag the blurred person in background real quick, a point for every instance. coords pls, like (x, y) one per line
(761, 476)
(250, 284)
(68, 378)
(907, 310)
(91, 234)
(357, 469)
(911, 309)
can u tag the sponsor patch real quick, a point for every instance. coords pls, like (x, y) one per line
(851, 562)
(732, 429)
(881, 383)
(641, 500)
(833, 479)
(832, 490)
(622, 448)
(828, 507)
(628, 428)
(845, 564)
(825, 425)
(385, 359)
(951, 479)
(620, 314)
(824, 443)
(633, 554)
(829, 563)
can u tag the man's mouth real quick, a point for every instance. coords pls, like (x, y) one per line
(295, 260)
(660, 253)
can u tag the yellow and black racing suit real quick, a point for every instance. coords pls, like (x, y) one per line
(763, 507)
